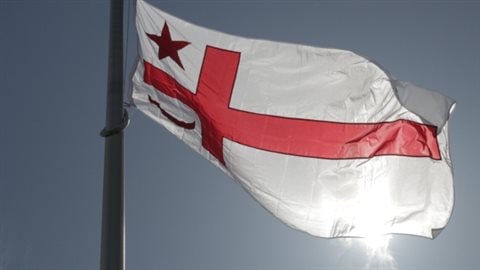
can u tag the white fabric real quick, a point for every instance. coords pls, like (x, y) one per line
(324, 197)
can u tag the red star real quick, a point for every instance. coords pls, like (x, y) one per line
(168, 47)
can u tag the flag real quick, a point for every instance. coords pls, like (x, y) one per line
(324, 139)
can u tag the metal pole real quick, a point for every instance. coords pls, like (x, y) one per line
(113, 213)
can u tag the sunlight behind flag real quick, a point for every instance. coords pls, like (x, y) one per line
(378, 253)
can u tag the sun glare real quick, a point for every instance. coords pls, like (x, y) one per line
(378, 253)
(374, 222)
(375, 243)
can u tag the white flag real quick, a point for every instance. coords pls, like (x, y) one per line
(324, 139)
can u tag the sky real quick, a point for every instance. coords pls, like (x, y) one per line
(181, 211)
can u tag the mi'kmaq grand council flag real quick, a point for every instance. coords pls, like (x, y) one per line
(324, 139)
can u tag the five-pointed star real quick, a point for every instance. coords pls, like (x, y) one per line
(168, 47)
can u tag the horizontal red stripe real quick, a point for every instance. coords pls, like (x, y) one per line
(293, 136)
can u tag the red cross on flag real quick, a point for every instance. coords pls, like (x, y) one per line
(324, 139)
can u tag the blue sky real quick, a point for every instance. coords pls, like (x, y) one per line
(181, 211)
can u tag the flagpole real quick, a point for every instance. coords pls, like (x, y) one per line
(112, 255)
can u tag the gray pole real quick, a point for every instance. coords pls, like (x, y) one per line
(113, 218)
